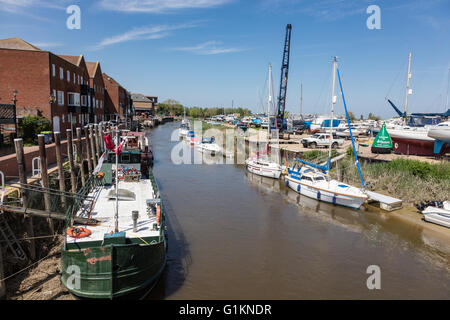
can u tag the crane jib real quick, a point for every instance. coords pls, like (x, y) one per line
(284, 78)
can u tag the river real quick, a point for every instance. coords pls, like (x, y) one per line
(235, 235)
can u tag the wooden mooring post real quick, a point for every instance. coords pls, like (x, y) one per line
(88, 149)
(81, 157)
(73, 179)
(59, 163)
(44, 177)
(93, 149)
(18, 143)
(97, 144)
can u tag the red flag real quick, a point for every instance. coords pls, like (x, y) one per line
(110, 145)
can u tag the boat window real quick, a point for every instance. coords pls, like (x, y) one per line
(319, 178)
(125, 158)
(306, 178)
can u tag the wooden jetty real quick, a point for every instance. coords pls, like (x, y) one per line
(387, 203)
(80, 163)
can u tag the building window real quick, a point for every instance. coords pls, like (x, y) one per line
(54, 94)
(82, 80)
(73, 99)
(78, 79)
(60, 98)
(61, 73)
(63, 120)
(84, 101)
(74, 78)
(53, 70)
(68, 76)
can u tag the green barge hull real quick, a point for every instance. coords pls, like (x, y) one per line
(113, 271)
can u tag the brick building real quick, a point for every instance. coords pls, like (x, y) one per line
(54, 86)
(143, 104)
(97, 88)
(118, 100)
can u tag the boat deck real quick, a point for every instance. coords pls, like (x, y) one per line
(104, 210)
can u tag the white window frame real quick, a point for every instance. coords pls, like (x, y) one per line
(76, 99)
(60, 98)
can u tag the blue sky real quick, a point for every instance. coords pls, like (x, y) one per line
(209, 52)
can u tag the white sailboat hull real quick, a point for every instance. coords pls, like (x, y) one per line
(272, 170)
(326, 195)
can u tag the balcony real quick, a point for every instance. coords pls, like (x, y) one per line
(74, 109)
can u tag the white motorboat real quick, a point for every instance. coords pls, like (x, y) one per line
(208, 145)
(437, 215)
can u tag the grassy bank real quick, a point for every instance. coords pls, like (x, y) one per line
(410, 180)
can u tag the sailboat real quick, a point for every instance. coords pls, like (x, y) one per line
(314, 181)
(261, 164)
(184, 127)
(125, 253)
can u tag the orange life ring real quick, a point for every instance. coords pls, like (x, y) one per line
(78, 232)
(158, 214)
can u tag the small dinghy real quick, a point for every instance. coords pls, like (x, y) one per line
(437, 215)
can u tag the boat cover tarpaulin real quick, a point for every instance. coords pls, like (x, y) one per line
(382, 142)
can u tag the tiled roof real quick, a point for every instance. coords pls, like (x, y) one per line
(139, 97)
(18, 44)
(72, 59)
(92, 67)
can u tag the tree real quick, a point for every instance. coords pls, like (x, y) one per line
(31, 126)
(351, 116)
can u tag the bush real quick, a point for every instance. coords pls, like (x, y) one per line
(31, 126)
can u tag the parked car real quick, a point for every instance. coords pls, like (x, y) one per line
(321, 140)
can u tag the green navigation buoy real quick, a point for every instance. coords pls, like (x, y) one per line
(382, 142)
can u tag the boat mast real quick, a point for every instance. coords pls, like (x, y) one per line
(333, 101)
(407, 87)
(301, 98)
(116, 217)
(269, 102)
(448, 83)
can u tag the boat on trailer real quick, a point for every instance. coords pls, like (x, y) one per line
(124, 253)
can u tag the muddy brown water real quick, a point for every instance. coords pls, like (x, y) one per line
(235, 235)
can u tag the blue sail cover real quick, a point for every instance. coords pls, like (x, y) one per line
(324, 168)
(326, 123)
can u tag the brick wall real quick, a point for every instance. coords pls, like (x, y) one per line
(28, 73)
(8, 164)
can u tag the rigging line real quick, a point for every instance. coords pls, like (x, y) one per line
(395, 79)
(32, 238)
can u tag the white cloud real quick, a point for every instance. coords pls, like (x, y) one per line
(208, 48)
(18, 6)
(158, 6)
(143, 33)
